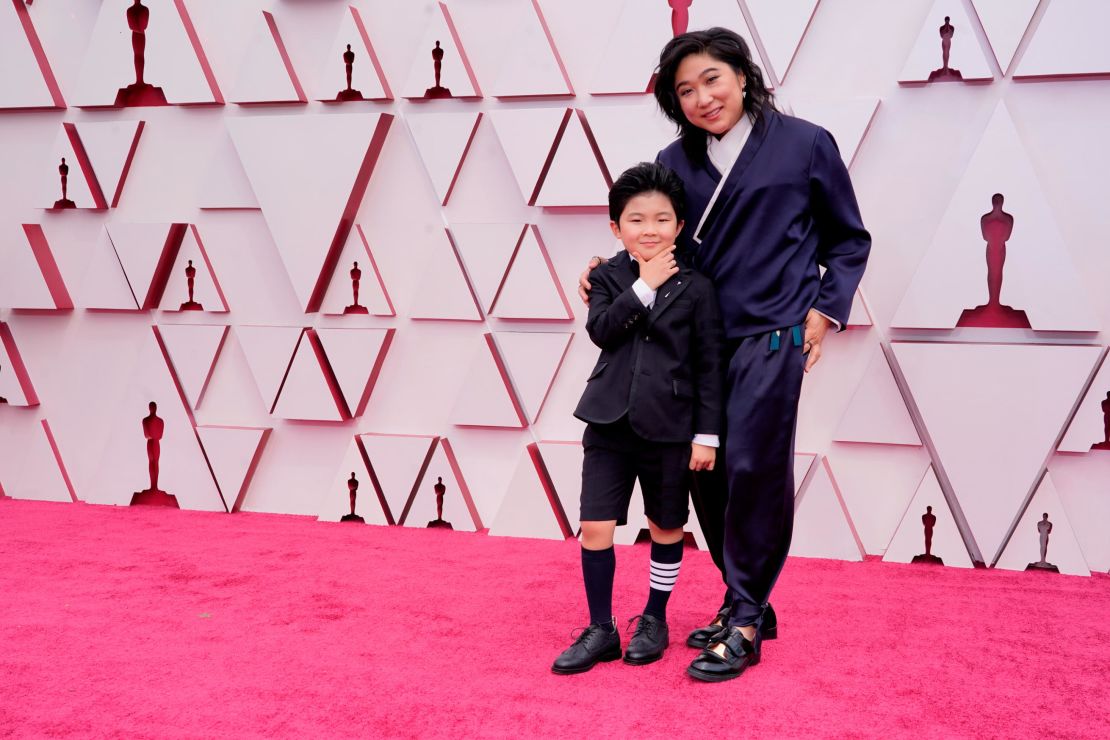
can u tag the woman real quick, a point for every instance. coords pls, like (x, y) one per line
(770, 202)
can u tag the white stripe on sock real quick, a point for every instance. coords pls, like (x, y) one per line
(663, 576)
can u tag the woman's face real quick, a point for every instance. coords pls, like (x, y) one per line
(710, 92)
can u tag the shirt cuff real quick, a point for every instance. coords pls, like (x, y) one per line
(830, 318)
(643, 292)
(707, 440)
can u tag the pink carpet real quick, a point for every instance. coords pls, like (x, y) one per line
(160, 623)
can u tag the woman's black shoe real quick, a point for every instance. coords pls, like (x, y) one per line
(648, 642)
(740, 654)
(703, 636)
(596, 644)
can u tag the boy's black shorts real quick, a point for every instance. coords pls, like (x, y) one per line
(615, 456)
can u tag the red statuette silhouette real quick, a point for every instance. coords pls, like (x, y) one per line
(680, 15)
(190, 276)
(153, 429)
(438, 522)
(352, 490)
(438, 91)
(947, 31)
(928, 521)
(139, 92)
(356, 276)
(997, 226)
(349, 93)
(65, 202)
(1105, 443)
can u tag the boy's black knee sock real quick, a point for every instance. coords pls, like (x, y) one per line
(598, 568)
(666, 560)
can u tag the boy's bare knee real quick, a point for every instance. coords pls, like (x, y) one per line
(665, 536)
(598, 535)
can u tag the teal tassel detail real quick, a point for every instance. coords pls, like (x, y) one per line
(797, 332)
(774, 340)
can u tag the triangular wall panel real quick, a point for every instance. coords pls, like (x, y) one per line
(575, 177)
(877, 412)
(174, 58)
(1005, 23)
(310, 391)
(225, 183)
(357, 259)
(781, 27)
(337, 499)
(486, 398)
(443, 140)
(147, 252)
(627, 135)
(532, 66)
(16, 387)
(1091, 423)
(444, 292)
(458, 506)
(33, 469)
(965, 54)
(28, 81)
(206, 286)
(1039, 276)
(532, 360)
(184, 471)
(397, 464)
(877, 483)
(563, 464)
(330, 156)
(269, 352)
(456, 75)
(81, 186)
(366, 71)
(531, 289)
(29, 274)
(103, 285)
(994, 413)
(233, 453)
(1024, 546)
(528, 137)
(110, 147)
(526, 509)
(822, 528)
(1081, 484)
(909, 539)
(266, 74)
(486, 251)
(1066, 42)
(355, 356)
(193, 350)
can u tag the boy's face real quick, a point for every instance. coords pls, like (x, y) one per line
(648, 225)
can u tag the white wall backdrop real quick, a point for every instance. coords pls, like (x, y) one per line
(471, 218)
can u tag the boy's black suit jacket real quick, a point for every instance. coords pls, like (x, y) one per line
(660, 367)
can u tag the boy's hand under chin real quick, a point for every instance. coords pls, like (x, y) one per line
(702, 457)
(658, 269)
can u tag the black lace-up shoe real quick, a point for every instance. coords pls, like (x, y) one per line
(649, 640)
(596, 644)
(740, 654)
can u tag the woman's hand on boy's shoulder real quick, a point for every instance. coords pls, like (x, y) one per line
(584, 286)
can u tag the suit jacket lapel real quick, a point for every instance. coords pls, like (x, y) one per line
(734, 181)
(667, 294)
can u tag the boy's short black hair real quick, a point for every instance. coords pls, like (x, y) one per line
(646, 177)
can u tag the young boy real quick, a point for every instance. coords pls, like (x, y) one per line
(652, 406)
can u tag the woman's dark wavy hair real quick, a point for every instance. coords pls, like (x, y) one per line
(719, 43)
